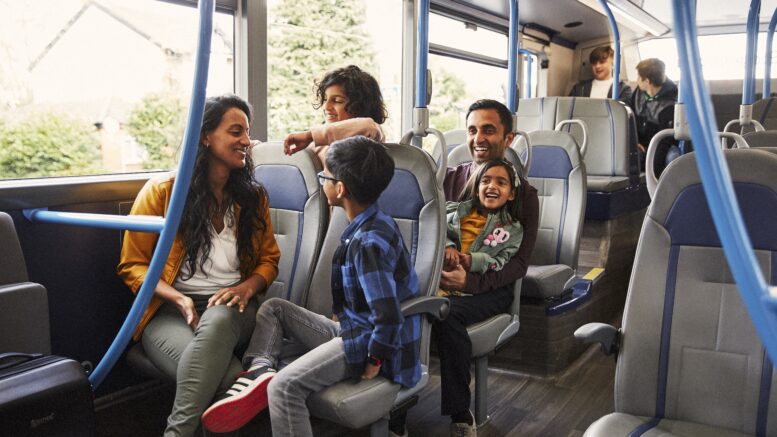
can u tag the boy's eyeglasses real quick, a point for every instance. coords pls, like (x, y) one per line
(323, 178)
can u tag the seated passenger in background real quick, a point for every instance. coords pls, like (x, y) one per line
(371, 274)
(223, 256)
(600, 87)
(483, 231)
(653, 106)
(352, 104)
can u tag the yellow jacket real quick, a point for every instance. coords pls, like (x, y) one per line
(138, 247)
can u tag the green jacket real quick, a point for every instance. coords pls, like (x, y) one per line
(497, 242)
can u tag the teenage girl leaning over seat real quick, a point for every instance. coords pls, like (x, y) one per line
(224, 254)
(352, 104)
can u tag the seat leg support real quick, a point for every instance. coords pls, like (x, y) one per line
(380, 428)
(481, 390)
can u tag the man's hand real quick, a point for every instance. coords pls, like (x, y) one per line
(642, 148)
(455, 280)
(297, 141)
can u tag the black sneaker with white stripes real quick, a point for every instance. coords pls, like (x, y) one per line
(244, 400)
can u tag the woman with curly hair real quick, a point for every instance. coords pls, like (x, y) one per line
(223, 256)
(352, 104)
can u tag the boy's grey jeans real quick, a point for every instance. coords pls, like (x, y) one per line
(322, 366)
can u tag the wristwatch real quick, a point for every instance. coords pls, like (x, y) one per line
(374, 360)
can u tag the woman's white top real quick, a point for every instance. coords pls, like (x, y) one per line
(222, 266)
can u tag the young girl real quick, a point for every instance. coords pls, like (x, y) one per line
(483, 229)
(352, 104)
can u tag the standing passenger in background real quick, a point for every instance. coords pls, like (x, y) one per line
(353, 105)
(653, 105)
(224, 255)
(600, 87)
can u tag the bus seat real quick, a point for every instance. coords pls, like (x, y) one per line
(559, 175)
(24, 305)
(607, 160)
(690, 362)
(536, 114)
(298, 212)
(415, 200)
(761, 139)
(765, 112)
(489, 334)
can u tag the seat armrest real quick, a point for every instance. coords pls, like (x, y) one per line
(437, 307)
(606, 335)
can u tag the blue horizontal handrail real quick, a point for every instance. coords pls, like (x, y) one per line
(616, 36)
(512, 58)
(138, 223)
(716, 181)
(177, 200)
(768, 67)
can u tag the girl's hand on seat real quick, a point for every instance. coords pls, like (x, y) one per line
(297, 141)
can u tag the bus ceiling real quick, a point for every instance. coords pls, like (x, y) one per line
(637, 19)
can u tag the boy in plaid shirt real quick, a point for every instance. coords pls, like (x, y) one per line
(371, 274)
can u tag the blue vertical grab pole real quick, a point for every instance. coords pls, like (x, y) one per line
(717, 185)
(180, 191)
(768, 67)
(422, 53)
(420, 111)
(529, 62)
(616, 36)
(512, 59)
(748, 86)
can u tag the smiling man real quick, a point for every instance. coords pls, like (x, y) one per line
(489, 134)
(600, 87)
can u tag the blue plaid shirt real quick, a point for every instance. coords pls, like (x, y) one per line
(371, 275)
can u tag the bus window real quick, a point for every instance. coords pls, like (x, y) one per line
(722, 56)
(458, 82)
(303, 46)
(100, 87)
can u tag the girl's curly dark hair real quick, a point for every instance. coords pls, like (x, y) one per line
(241, 189)
(363, 91)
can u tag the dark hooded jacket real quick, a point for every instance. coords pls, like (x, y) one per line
(655, 113)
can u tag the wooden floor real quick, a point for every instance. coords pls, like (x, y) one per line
(519, 405)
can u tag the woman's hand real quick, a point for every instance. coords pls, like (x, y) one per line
(238, 294)
(370, 371)
(297, 141)
(185, 305)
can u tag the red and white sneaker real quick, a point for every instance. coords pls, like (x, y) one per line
(244, 400)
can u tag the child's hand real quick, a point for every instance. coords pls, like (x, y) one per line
(465, 260)
(296, 142)
(370, 371)
(451, 258)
